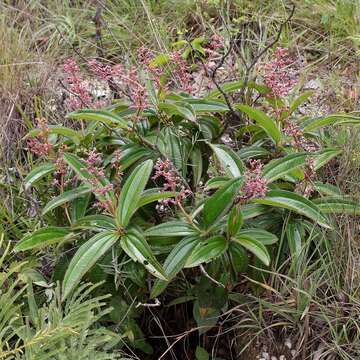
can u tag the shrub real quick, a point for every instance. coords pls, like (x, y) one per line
(165, 182)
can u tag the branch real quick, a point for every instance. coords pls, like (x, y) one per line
(98, 37)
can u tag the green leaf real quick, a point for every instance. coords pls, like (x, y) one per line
(180, 108)
(95, 221)
(229, 160)
(170, 228)
(85, 258)
(159, 60)
(174, 263)
(253, 210)
(293, 235)
(42, 238)
(250, 152)
(201, 353)
(337, 205)
(263, 236)
(266, 122)
(237, 85)
(150, 195)
(135, 246)
(255, 247)
(103, 116)
(80, 206)
(131, 153)
(220, 202)
(235, 220)
(131, 192)
(201, 106)
(239, 257)
(66, 197)
(196, 164)
(300, 100)
(327, 189)
(76, 136)
(323, 157)
(335, 119)
(207, 250)
(277, 168)
(216, 182)
(294, 202)
(37, 173)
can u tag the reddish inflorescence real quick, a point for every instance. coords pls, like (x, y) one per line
(281, 73)
(80, 96)
(293, 130)
(181, 71)
(60, 169)
(165, 170)
(255, 186)
(40, 145)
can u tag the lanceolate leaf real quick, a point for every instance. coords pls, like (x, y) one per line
(263, 236)
(300, 100)
(79, 207)
(338, 205)
(207, 250)
(131, 153)
(263, 120)
(239, 257)
(216, 182)
(220, 203)
(294, 202)
(229, 160)
(254, 246)
(103, 116)
(253, 210)
(277, 168)
(59, 130)
(41, 238)
(204, 106)
(293, 235)
(196, 164)
(236, 85)
(174, 263)
(131, 192)
(66, 197)
(323, 157)
(171, 228)
(37, 173)
(235, 220)
(150, 195)
(86, 257)
(95, 221)
(335, 119)
(135, 246)
(326, 189)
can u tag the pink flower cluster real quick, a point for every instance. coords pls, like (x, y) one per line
(165, 170)
(60, 169)
(216, 42)
(104, 72)
(40, 145)
(281, 73)
(293, 130)
(181, 71)
(80, 96)
(255, 186)
(93, 163)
